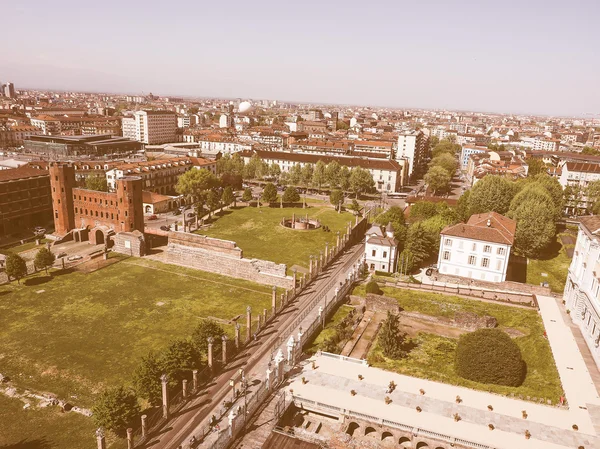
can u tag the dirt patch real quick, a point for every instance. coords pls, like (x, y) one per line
(570, 252)
(567, 239)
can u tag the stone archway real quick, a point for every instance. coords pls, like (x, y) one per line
(387, 436)
(404, 442)
(370, 432)
(422, 445)
(148, 209)
(352, 427)
(99, 237)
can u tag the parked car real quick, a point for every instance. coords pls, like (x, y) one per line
(152, 217)
(61, 254)
(75, 257)
(165, 228)
(39, 230)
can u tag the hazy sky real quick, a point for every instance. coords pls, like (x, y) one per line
(536, 56)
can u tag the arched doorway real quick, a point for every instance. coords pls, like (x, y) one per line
(386, 435)
(404, 442)
(99, 236)
(148, 209)
(371, 432)
(422, 445)
(352, 428)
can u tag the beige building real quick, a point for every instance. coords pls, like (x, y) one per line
(151, 127)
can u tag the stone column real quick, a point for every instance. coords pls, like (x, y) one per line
(237, 336)
(321, 261)
(295, 274)
(195, 380)
(356, 221)
(310, 267)
(269, 377)
(283, 301)
(210, 352)
(144, 426)
(326, 253)
(338, 240)
(265, 316)
(224, 349)
(184, 388)
(100, 440)
(165, 395)
(274, 300)
(259, 325)
(293, 221)
(248, 323)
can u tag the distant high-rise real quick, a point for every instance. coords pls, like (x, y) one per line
(151, 127)
(9, 90)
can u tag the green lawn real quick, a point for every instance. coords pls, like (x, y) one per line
(24, 247)
(433, 356)
(258, 232)
(75, 333)
(555, 265)
(329, 330)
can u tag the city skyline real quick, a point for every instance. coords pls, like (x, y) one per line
(449, 57)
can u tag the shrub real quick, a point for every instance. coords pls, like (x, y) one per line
(115, 409)
(16, 267)
(291, 195)
(373, 287)
(489, 356)
(391, 338)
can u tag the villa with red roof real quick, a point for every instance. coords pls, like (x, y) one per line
(478, 249)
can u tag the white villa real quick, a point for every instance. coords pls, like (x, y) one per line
(478, 249)
(582, 289)
(381, 250)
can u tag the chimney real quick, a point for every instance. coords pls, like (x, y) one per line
(489, 223)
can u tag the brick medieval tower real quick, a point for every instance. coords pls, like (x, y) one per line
(62, 181)
(129, 198)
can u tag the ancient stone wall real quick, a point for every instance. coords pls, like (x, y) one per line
(380, 303)
(223, 257)
(130, 243)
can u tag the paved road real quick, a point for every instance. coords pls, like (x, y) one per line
(197, 412)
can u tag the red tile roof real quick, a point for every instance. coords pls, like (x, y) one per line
(13, 174)
(500, 229)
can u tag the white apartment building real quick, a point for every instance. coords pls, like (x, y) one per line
(381, 250)
(478, 249)
(467, 151)
(216, 144)
(225, 121)
(151, 127)
(579, 174)
(413, 146)
(541, 144)
(582, 290)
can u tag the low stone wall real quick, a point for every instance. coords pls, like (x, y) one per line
(130, 243)
(380, 303)
(223, 257)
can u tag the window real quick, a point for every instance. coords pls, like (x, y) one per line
(498, 265)
(446, 255)
(448, 242)
(383, 267)
(472, 260)
(385, 254)
(487, 249)
(373, 253)
(485, 262)
(500, 251)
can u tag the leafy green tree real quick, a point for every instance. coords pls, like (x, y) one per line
(344, 178)
(44, 259)
(274, 170)
(115, 409)
(438, 179)
(395, 216)
(433, 141)
(354, 206)
(342, 125)
(573, 197)
(336, 197)
(406, 261)
(296, 175)
(16, 267)
(590, 150)
(269, 194)
(445, 146)
(247, 195)
(463, 207)
(228, 196)
(319, 178)
(361, 181)
(446, 161)
(489, 356)
(554, 189)
(422, 210)
(420, 242)
(291, 195)
(434, 225)
(535, 166)
(307, 174)
(536, 227)
(391, 339)
(146, 378)
(491, 194)
(195, 183)
(231, 164)
(592, 193)
(204, 330)
(536, 192)
(181, 357)
(96, 182)
(213, 201)
(373, 287)
(256, 168)
(332, 172)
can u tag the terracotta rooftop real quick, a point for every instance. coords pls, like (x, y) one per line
(591, 223)
(13, 174)
(583, 167)
(499, 230)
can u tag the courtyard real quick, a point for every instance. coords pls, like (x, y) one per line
(74, 333)
(259, 233)
(434, 346)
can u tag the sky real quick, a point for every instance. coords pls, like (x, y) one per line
(513, 56)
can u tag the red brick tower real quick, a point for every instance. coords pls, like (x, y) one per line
(62, 181)
(131, 209)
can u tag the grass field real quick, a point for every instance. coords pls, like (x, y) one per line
(329, 330)
(24, 247)
(555, 264)
(433, 356)
(75, 333)
(258, 232)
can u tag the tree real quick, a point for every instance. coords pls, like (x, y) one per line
(446, 161)
(463, 207)
(180, 357)
(296, 174)
(406, 261)
(344, 178)
(573, 198)
(44, 259)
(96, 182)
(290, 195)
(395, 216)
(489, 356)
(354, 206)
(535, 166)
(391, 339)
(307, 174)
(256, 168)
(438, 179)
(332, 172)
(361, 181)
(269, 194)
(213, 200)
(422, 210)
(342, 125)
(535, 192)
(274, 170)
(491, 194)
(592, 193)
(247, 195)
(590, 150)
(373, 287)
(195, 183)
(554, 189)
(336, 197)
(445, 146)
(228, 196)
(433, 141)
(319, 177)
(420, 242)
(536, 227)
(146, 378)
(204, 330)
(115, 409)
(16, 267)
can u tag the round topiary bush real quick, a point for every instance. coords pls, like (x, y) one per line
(490, 356)
(373, 287)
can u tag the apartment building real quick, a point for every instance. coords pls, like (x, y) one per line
(151, 127)
(381, 250)
(414, 147)
(324, 147)
(544, 144)
(478, 249)
(582, 289)
(467, 151)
